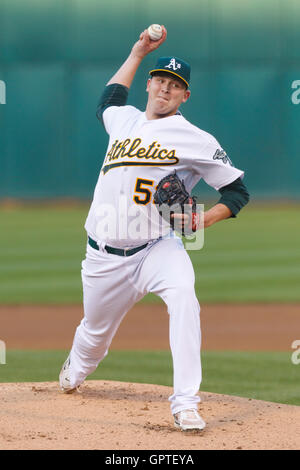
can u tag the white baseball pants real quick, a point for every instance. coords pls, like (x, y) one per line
(112, 284)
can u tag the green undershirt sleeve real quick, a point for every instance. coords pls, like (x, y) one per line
(113, 95)
(235, 196)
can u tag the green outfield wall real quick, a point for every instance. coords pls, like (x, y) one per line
(57, 55)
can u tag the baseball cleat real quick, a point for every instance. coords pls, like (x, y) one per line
(64, 378)
(189, 420)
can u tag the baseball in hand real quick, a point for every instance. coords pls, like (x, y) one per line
(155, 32)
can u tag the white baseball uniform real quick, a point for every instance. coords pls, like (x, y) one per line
(122, 215)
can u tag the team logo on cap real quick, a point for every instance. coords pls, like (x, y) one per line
(173, 64)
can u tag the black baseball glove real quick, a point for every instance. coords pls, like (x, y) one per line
(172, 198)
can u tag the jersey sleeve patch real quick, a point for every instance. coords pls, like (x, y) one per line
(214, 165)
(220, 154)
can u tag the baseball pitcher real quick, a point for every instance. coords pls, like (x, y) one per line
(154, 158)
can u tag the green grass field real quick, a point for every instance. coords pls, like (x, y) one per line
(267, 376)
(255, 258)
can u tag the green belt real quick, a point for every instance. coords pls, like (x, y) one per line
(116, 251)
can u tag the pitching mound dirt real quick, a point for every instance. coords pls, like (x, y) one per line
(118, 416)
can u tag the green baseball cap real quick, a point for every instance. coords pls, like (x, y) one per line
(174, 66)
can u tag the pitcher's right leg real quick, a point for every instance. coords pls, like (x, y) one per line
(107, 297)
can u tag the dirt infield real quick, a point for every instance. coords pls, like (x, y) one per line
(119, 416)
(116, 415)
(224, 327)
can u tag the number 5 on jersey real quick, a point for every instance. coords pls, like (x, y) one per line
(142, 187)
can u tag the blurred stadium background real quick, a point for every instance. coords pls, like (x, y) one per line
(55, 58)
(57, 55)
